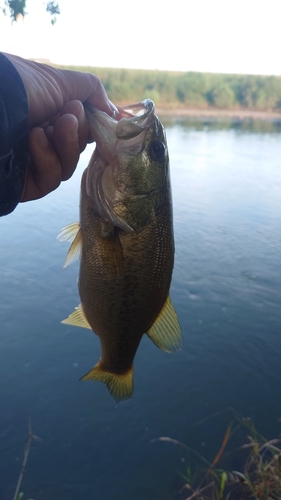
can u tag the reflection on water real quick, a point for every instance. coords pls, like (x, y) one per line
(226, 288)
(247, 125)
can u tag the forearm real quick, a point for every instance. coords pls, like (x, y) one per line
(13, 136)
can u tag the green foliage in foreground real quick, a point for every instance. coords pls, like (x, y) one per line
(20, 497)
(200, 90)
(259, 474)
(257, 478)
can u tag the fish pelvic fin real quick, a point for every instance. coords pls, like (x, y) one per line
(120, 385)
(77, 318)
(166, 331)
(72, 233)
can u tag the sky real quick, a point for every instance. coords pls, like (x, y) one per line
(219, 36)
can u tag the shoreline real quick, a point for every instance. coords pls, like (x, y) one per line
(240, 114)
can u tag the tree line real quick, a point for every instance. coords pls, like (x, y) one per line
(191, 89)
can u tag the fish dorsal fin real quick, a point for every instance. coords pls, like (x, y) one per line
(166, 331)
(77, 318)
(120, 385)
(71, 233)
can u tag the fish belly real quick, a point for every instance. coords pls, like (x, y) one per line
(124, 281)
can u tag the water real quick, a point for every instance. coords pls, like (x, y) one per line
(226, 288)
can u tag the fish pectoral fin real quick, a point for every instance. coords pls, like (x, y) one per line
(72, 233)
(119, 385)
(77, 318)
(69, 232)
(166, 331)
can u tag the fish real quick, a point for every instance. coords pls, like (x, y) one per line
(125, 242)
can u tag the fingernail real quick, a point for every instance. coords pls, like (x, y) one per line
(114, 109)
(81, 113)
(42, 140)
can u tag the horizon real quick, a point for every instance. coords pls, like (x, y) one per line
(47, 61)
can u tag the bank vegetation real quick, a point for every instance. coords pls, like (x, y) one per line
(174, 90)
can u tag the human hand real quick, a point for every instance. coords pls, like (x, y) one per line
(58, 128)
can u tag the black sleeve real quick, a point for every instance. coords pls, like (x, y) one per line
(13, 136)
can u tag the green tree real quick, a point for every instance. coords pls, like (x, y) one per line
(192, 88)
(248, 91)
(222, 96)
(268, 95)
(17, 8)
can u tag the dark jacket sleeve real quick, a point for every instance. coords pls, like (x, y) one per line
(13, 136)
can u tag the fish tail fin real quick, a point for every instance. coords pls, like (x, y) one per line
(119, 385)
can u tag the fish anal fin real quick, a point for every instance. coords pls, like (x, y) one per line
(119, 385)
(166, 331)
(71, 233)
(77, 318)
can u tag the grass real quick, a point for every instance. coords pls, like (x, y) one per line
(20, 497)
(259, 477)
(31, 437)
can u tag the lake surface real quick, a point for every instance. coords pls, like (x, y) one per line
(226, 288)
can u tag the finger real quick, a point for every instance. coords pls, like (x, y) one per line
(69, 86)
(49, 132)
(65, 142)
(87, 87)
(76, 108)
(49, 89)
(99, 99)
(44, 172)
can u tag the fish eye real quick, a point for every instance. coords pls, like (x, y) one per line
(157, 150)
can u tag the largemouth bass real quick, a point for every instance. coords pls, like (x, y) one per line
(125, 241)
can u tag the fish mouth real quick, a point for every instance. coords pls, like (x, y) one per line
(112, 136)
(130, 125)
(135, 118)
